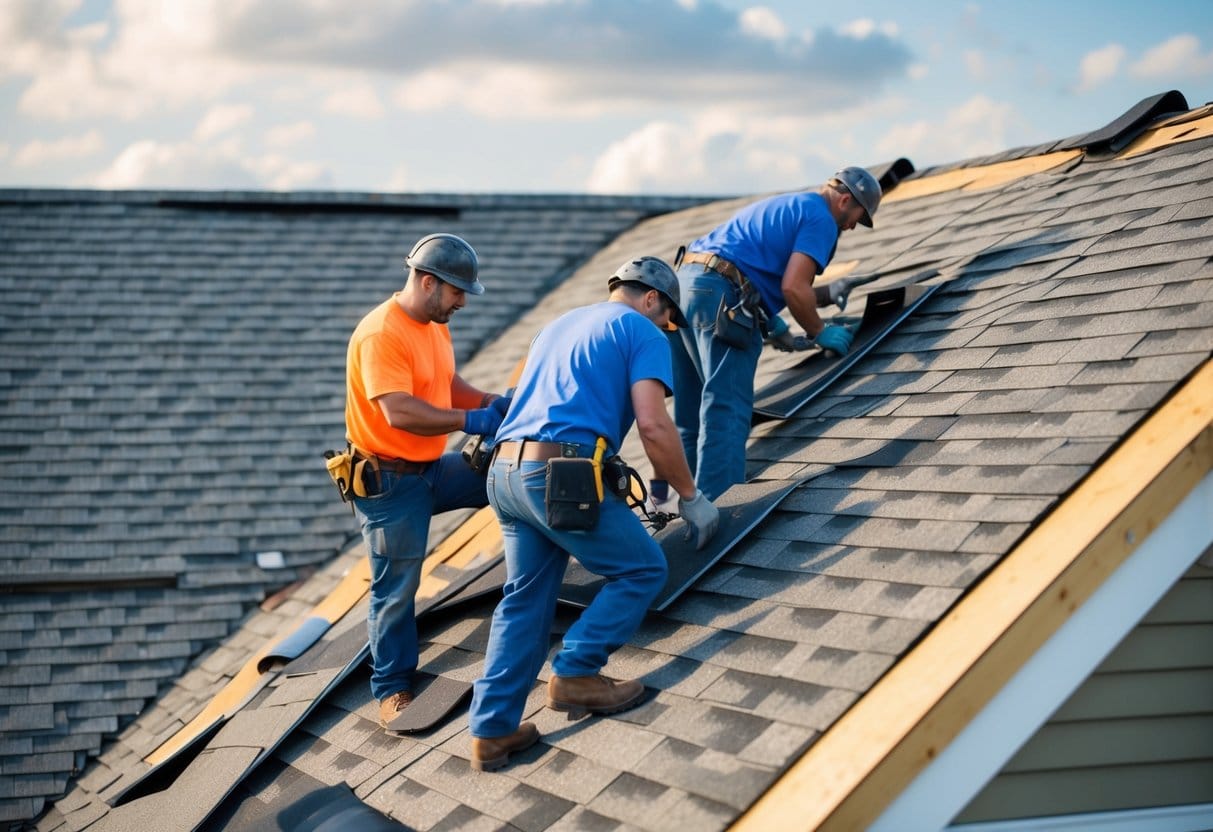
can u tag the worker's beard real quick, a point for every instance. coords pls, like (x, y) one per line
(434, 309)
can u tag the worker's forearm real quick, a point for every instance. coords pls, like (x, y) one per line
(664, 450)
(467, 397)
(422, 418)
(803, 307)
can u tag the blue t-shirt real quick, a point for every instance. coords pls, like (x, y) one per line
(760, 238)
(577, 383)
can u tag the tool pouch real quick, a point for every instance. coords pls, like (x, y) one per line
(340, 465)
(572, 494)
(734, 325)
(366, 478)
(476, 455)
(617, 476)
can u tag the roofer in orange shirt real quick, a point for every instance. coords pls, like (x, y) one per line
(403, 397)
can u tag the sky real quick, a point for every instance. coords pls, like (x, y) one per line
(563, 96)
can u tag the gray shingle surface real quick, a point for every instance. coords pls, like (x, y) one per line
(171, 367)
(1070, 309)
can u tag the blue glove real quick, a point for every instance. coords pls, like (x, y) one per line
(835, 338)
(778, 335)
(486, 420)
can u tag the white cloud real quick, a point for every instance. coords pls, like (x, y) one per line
(285, 135)
(1099, 66)
(494, 59)
(717, 154)
(357, 99)
(1180, 56)
(978, 127)
(762, 22)
(221, 118)
(917, 72)
(150, 164)
(40, 152)
(860, 28)
(975, 64)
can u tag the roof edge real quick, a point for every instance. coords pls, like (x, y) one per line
(871, 754)
(347, 199)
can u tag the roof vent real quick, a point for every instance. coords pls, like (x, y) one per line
(1116, 135)
(890, 173)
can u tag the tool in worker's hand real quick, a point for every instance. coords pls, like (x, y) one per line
(840, 290)
(476, 451)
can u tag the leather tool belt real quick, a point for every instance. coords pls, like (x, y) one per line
(529, 450)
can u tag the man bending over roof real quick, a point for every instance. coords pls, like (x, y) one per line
(735, 278)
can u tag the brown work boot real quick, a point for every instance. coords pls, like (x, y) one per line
(580, 695)
(491, 753)
(394, 704)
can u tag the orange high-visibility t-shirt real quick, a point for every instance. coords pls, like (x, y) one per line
(389, 352)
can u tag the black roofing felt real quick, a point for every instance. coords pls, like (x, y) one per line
(948, 441)
(171, 367)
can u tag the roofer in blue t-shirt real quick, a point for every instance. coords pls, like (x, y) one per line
(589, 375)
(733, 281)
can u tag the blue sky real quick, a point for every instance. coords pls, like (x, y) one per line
(605, 96)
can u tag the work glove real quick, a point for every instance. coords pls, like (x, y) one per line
(840, 290)
(485, 420)
(834, 338)
(782, 339)
(702, 518)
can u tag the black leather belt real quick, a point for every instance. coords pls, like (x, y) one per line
(396, 466)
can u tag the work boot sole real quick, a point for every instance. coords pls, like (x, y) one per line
(576, 710)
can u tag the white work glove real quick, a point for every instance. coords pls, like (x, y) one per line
(702, 518)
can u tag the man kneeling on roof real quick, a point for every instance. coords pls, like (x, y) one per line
(590, 374)
(403, 397)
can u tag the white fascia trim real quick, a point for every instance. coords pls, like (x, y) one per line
(1192, 818)
(1013, 715)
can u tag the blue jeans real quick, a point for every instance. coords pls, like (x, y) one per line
(713, 383)
(619, 549)
(396, 527)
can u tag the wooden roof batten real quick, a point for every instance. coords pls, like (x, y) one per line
(849, 776)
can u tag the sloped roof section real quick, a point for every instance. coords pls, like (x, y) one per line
(1072, 301)
(171, 367)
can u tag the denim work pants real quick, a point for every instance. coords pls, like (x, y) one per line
(619, 549)
(396, 527)
(713, 383)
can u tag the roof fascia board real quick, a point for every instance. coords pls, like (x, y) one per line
(863, 762)
(962, 769)
(1162, 819)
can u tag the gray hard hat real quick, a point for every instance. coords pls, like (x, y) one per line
(864, 187)
(656, 274)
(448, 258)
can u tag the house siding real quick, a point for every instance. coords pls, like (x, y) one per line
(1138, 733)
